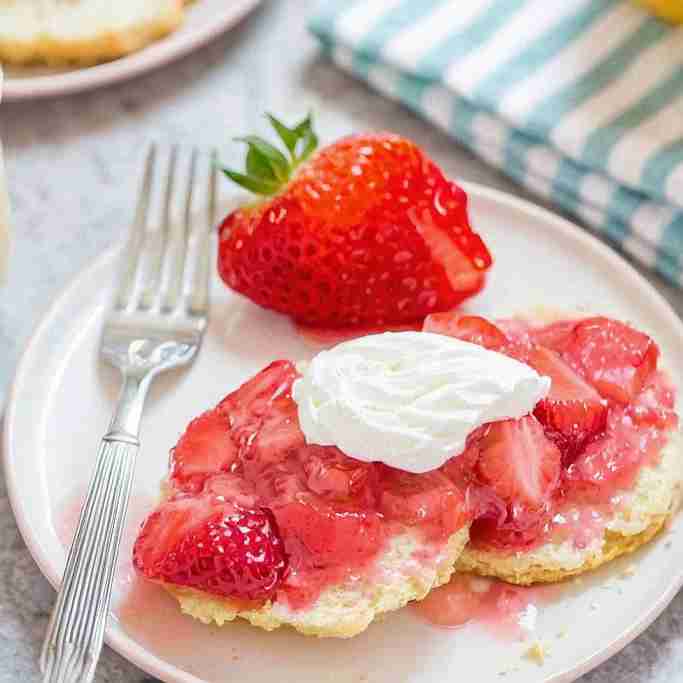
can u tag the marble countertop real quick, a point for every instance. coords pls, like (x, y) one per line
(71, 172)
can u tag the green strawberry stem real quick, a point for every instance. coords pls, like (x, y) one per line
(269, 169)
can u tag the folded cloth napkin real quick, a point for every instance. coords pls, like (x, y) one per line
(581, 100)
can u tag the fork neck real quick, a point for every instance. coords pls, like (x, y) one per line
(125, 424)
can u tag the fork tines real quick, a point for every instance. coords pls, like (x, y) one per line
(166, 265)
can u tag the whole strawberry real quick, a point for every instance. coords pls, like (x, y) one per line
(365, 231)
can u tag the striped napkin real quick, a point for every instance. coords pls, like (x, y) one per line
(581, 101)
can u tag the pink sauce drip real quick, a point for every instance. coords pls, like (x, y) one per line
(506, 611)
(145, 611)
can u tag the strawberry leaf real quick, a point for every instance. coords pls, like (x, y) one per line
(253, 184)
(309, 140)
(289, 136)
(267, 167)
(272, 155)
(258, 166)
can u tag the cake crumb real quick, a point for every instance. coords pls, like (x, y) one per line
(629, 571)
(563, 632)
(578, 581)
(537, 653)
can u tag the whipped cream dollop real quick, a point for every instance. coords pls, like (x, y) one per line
(410, 399)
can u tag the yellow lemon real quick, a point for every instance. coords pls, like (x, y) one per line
(672, 10)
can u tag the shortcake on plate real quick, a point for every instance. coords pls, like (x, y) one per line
(323, 494)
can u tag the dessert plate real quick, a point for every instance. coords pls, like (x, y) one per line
(62, 397)
(204, 21)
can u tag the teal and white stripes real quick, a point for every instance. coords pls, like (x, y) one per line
(581, 100)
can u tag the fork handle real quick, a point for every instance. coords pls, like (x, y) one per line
(76, 630)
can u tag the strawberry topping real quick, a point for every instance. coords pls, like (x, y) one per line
(520, 467)
(654, 405)
(214, 546)
(616, 359)
(429, 500)
(573, 412)
(518, 462)
(205, 448)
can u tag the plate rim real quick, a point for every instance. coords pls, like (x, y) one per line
(129, 66)
(126, 646)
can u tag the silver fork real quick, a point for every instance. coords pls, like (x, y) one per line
(156, 323)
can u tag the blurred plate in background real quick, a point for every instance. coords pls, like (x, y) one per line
(204, 21)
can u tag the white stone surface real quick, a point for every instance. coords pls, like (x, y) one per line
(72, 171)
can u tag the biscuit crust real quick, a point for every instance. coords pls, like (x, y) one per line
(345, 610)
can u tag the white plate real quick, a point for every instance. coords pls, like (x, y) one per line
(204, 20)
(62, 398)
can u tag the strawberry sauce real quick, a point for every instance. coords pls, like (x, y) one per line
(506, 611)
(254, 512)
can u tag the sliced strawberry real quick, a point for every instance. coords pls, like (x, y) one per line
(428, 500)
(204, 449)
(573, 413)
(233, 488)
(555, 336)
(247, 405)
(321, 537)
(655, 404)
(470, 328)
(616, 359)
(213, 546)
(276, 437)
(518, 474)
(519, 343)
(611, 463)
(461, 468)
(213, 441)
(605, 466)
(478, 330)
(521, 528)
(519, 462)
(334, 476)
